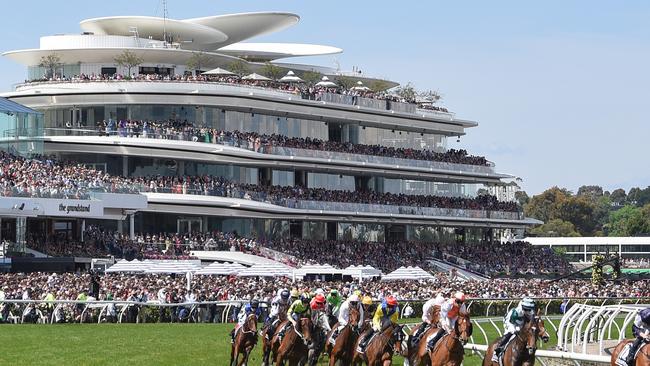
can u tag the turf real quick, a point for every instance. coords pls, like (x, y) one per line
(135, 344)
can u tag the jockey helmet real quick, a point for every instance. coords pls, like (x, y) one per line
(285, 294)
(527, 304)
(367, 300)
(319, 291)
(645, 315)
(295, 294)
(357, 292)
(334, 292)
(391, 301)
(459, 297)
(353, 299)
(320, 299)
(255, 304)
(304, 297)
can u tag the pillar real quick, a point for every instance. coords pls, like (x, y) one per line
(21, 228)
(120, 226)
(132, 226)
(181, 168)
(83, 229)
(125, 166)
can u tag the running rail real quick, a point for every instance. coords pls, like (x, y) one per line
(573, 356)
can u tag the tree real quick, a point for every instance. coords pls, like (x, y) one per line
(239, 67)
(618, 197)
(522, 198)
(580, 212)
(272, 71)
(407, 92)
(544, 205)
(379, 86)
(346, 82)
(629, 221)
(592, 192)
(129, 60)
(555, 228)
(197, 61)
(431, 95)
(311, 77)
(50, 63)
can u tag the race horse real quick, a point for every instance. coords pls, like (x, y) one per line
(343, 348)
(381, 347)
(319, 337)
(449, 350)
(294, 347)
(267, 341)
(245, 340)
(642, 357)
(417, 354)
(521, 350)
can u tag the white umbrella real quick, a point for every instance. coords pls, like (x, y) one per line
(326, 83)
(217, 268)
(266, 270)
(408, 273)
(256, 77)
(360, 87)
(219, 72)
(290, 77)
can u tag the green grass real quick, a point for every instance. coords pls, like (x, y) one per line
(140, 344)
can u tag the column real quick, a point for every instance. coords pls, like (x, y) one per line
(21, 228)
(83, 229)
(125, 166)
(181, 168)
(120, 226)
(132, 226)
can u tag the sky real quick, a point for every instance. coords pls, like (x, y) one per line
(559, 88)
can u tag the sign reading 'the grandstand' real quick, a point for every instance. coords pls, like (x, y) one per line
(72, 208)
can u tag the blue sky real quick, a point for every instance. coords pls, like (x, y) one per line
(558, 87)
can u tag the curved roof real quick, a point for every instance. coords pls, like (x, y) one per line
(154, 27)
(273, 51)
(242, 26)
(207, 33)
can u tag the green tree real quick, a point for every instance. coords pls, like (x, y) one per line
(239, 67)
(311, 77)
(555, 228)
(50, 63)
(593, 192)
(346, 82)
(629, 221)
(544, 206)
(407, 91)
(618, 197)
(271, 71)
(431, 95)
(522, 198)
(198, 61)
(129, 60)
(579, 211)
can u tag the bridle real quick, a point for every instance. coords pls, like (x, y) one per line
(248, 319)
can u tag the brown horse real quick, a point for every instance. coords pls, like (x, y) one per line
(245, 340)
(521, 351)
(381, 348)
(267, 342)
(294, 347)
(417, 354)
(642, 358)
(449, 351)
(342, 350)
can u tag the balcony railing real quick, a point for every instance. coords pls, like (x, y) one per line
(264, 148)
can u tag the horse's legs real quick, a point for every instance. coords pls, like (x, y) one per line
(233, 359)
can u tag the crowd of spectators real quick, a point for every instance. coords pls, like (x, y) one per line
(43, 176)
(185, 130)
(159, 287)
(305, 89)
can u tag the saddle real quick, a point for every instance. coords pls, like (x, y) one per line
(362, 349)
(499, 359)
(622, 356)
(433, 347)
(413, 341)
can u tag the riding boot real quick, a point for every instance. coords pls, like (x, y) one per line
(502, 343)
(629, 360)
(232, 336)
(436, 338)
(414, 339)
(364, 342)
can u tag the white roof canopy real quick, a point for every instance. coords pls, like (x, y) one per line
(290, 77)
(217, 268)
(408, 273)
(266, 270)
(219, 72)
(255, 76)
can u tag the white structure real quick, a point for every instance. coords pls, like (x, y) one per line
(582, 248)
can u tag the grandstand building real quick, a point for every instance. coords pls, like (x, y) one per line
(85, 100)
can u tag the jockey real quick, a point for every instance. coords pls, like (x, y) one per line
(367, 306)
(513, 322)
(449, 311)
(427, 322)
(387, 311)
(641, 330)
(299, 309)
(279, 306)
(295, 295)
(352, 302)
(334, 301)
(318, 307)
(253, 307)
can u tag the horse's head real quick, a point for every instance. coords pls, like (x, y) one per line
(397, 339)
(306, 326)
(530, 334)
(435, 314)
(542, 329)
(251, 323)
(355, 316)
(463, 328)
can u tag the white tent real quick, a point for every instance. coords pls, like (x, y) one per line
(408, 273)
(134, 266)
(316, 269)
(326, 83)
(256, 77)
(361, 272)
(155, 266)
(360, 87)
(290, 77)
(267, 270)
(217, 268)
(174, 267)
(219, 72)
